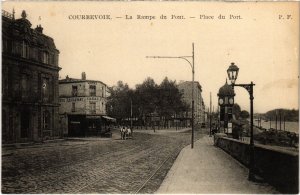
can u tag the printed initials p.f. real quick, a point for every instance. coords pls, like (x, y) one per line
(288, 17)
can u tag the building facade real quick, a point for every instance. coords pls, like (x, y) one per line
(83, 106)
(29, 82)
(199, 108)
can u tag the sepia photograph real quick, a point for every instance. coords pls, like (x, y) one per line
(150, 97)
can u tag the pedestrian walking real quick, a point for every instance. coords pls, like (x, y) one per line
(122, 131)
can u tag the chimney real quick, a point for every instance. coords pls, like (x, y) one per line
(83, 76)
(39, 29)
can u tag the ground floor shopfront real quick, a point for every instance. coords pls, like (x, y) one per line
(81, 125)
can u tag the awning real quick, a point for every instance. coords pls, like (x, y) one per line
(109, 118)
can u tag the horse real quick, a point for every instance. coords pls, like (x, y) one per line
(128, 133)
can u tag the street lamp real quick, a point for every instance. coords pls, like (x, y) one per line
(232, 72)
(192, 64)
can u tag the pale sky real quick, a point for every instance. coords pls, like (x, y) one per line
(265, 48)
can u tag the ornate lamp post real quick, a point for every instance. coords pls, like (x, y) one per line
(232, 72)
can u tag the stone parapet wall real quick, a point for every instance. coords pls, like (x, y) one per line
(278, 167)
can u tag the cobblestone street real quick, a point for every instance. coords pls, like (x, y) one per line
(93, 166)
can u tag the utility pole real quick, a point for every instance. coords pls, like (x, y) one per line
(280, 120)
(193, 72)
(283, 123)
(131, 114)
(276, 121)
(192, 64)
(210, 114)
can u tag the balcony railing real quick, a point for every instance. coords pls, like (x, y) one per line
(7, 14)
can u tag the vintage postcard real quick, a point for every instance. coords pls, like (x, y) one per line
(150, 97)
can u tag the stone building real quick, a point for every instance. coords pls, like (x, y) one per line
(83, 107)
(199, 108)
(29, 82)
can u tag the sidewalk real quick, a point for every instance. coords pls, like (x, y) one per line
(208, 169)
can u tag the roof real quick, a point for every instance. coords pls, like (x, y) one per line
(190, 83)
(20, 29)
(226, 90)
(73, 80)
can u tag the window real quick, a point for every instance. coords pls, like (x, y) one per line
(25, 86)
(74, 90)
(73, 106)
(44, 57)
(92, 90)
(93, 107)
(92, 125)
(25, 50)
(17, 48)
(56, 59)
(33, 53)
(102, 91)
(46, 119)
(45, 89)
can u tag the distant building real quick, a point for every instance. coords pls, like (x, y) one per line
(29, 82)
(199, 108)
(83, 106)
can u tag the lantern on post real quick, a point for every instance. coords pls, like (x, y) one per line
(232, 72)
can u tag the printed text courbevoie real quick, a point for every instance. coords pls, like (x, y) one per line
(89, 17)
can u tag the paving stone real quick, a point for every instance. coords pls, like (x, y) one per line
(89, 166)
